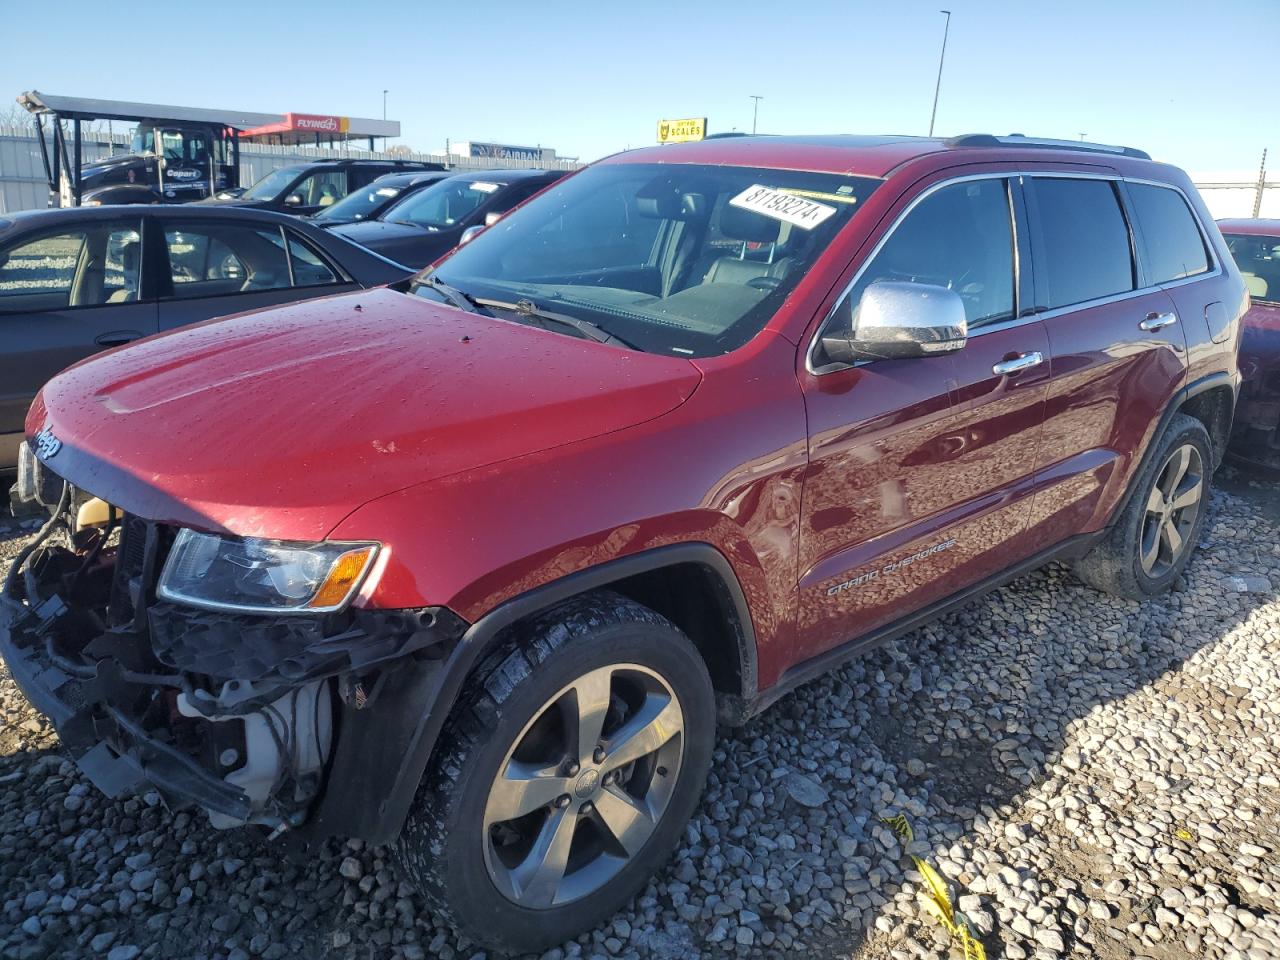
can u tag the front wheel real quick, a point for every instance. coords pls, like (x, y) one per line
(564, 777)
(1152, 540)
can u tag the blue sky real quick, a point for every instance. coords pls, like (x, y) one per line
(1193, 83)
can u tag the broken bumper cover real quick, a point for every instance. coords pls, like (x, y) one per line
(362, 668)
(113, 751)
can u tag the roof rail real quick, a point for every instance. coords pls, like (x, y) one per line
(1019, 140)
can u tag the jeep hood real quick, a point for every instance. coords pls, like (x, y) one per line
(279, 423)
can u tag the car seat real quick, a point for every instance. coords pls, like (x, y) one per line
(748, 226)
(130, 258)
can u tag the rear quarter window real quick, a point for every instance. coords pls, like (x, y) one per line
(1173, 243)
(1083, 240)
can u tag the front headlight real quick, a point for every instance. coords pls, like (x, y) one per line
(263, 576)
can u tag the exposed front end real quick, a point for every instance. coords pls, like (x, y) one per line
(257, 717)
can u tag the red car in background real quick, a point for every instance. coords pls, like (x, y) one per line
(1255, 245)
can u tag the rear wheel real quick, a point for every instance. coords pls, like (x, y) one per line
(1152, 541)
(565, 776)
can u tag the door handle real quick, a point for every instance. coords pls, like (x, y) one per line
(116, 337)
(1158, 321)
(1024, 362)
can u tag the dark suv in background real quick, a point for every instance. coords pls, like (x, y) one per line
(473, 564)
(428, 223)
(305, 188)
(370, 201)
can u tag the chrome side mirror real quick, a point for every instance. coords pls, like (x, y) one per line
(894, 320)
(293, 200)
(470, 234)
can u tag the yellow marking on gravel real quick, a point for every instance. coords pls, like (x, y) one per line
(938, 894)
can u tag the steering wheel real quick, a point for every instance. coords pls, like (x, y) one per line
(765, 283)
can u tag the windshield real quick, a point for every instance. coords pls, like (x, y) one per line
(673, 258)
(272, 185)
(359, 205)
(444, 204)
(1259, 261)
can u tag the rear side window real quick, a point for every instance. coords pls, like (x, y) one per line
(1083, 240)
(308, 269)
(1174, 246)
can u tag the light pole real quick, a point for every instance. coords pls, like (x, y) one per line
(384, 104)
(941, 57)
(755, 109)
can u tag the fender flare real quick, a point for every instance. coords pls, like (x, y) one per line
(482, 636)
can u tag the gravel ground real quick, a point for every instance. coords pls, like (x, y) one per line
(1096, 778)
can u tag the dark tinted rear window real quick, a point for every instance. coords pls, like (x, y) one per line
(1173, 243)
(1084, 241)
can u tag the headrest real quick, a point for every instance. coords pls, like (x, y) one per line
(670, 201)
(739, 224)
(130, 250)
(1256, 284)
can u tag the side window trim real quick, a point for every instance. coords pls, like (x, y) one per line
(1138, 274)
(1025, 303)
(288, 256)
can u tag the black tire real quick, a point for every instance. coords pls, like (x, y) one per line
(1115, 565)
(445, 842)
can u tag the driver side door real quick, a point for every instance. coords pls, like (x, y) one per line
(921, 470)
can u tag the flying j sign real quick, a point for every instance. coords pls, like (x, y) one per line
(680, 131)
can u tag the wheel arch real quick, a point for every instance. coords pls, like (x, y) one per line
(1213, 404)
(1211, 400)
(677, 580)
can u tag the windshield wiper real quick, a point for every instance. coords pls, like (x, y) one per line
(527, 308)
(463, 301)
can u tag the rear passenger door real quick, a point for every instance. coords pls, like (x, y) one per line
(212, 268)
(1117, 345)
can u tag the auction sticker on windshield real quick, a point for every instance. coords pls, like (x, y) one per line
(800, 211)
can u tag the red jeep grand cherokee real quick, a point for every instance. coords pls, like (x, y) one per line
(473, 566)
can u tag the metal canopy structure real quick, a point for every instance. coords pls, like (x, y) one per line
(87, 108)
(231, 125)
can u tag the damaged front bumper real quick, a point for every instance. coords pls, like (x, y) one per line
(286, 722)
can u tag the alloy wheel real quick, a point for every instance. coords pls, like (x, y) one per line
(1172, 508)
(584, 786)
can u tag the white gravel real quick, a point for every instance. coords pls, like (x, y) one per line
(1096, 778)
